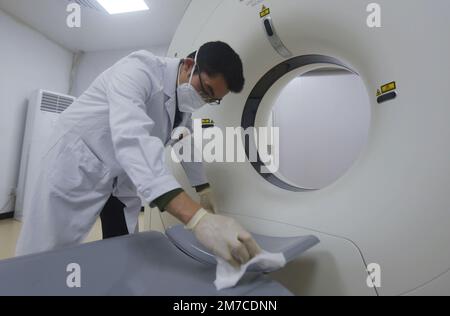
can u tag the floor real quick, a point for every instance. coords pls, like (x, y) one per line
(9, 232)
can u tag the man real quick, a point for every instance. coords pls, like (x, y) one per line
(109, 146)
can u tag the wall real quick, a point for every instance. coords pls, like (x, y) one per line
(324, 124)
(28, 61)
(92, 64)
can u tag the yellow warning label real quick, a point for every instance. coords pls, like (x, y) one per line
(207, 121)
(389, 87)
(264, 12)
(378, 92)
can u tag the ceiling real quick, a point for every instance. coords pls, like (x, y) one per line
(101, 31)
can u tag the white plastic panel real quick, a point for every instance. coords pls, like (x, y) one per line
(393, 203)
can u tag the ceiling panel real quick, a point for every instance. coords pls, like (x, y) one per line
(101, 31)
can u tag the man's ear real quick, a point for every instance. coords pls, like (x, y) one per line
(188, 63)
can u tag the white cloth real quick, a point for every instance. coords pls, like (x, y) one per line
(114, 133)
(228, 276)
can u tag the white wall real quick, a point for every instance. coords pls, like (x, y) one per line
(92, 64)
(324, 122)
(28, 61)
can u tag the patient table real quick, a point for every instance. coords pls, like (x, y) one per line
(148, 263)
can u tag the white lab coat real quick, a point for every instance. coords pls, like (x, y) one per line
(115, 133)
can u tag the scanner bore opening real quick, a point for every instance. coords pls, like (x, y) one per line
(256, 99)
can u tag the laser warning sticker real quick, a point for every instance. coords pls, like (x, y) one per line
(387, 92)
(207, 123)
(389, 87)
(264, 12)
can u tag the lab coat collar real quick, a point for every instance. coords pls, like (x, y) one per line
(170, 87)
(170, 76)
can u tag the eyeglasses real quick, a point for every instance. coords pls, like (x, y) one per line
(204, 94)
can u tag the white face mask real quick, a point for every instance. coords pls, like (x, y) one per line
(189, 100)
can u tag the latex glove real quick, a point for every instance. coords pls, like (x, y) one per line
(224, 237)
(207, 200)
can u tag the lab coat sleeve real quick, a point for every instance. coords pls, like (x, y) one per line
(195, 171)
(141, 155)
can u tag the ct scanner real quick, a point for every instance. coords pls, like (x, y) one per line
(392, 207)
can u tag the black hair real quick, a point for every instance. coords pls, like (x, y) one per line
(218, 58)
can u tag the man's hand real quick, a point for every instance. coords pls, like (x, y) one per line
(224, 237)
